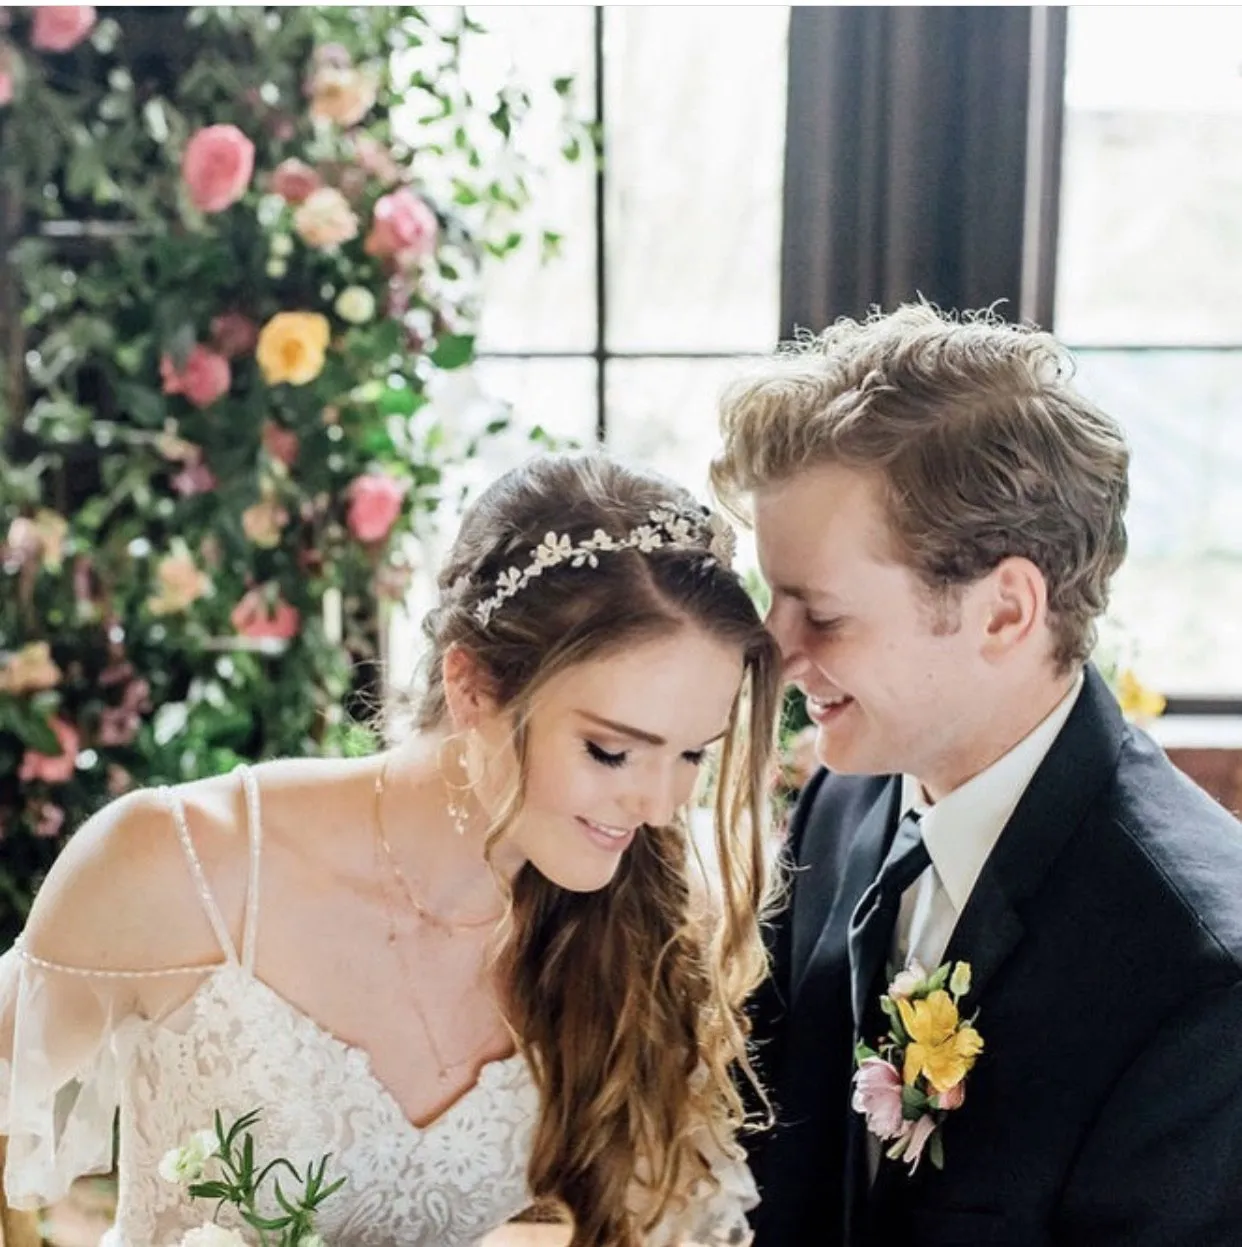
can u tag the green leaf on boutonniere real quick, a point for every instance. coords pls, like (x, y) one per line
(940, 978)
(935, 1150)
(863, 1052)
(913, 1103)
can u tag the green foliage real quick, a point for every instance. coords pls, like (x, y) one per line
(189, 581)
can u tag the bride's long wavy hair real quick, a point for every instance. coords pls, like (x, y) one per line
(626, 1002)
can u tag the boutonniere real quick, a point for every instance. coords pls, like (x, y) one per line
(916, 1075)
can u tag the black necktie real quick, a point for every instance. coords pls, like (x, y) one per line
(871, 926)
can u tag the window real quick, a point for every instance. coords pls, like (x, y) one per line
(669, 270)
(670, 267)
(1149, 266)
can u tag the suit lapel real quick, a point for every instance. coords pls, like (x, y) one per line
(822, 916)
(1082, 759)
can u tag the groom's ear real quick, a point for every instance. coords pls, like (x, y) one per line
(1013, 607)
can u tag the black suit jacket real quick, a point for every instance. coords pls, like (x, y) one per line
(1105, 936)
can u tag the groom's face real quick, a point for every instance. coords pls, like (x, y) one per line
(894, 683)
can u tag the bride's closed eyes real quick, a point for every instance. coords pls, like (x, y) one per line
(693, 756)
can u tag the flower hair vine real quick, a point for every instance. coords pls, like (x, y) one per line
(666, 528)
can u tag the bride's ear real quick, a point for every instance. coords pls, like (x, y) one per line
(468, 689)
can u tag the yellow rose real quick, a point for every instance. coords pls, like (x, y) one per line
(940, 1048)
(291, 347)
(1137, 701)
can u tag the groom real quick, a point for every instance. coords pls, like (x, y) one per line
(938, 514)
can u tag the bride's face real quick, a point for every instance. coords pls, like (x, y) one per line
(615, 745)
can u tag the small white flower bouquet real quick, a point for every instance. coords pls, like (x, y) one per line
(220, 1164)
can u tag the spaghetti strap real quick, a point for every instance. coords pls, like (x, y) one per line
(254, 828)
(174, 803)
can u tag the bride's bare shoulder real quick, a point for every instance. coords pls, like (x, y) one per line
(123, 894)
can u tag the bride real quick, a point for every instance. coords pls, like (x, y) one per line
(478, 969)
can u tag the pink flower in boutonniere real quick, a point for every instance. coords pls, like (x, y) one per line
(915, 1076)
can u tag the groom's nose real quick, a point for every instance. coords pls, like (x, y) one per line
(782, 623)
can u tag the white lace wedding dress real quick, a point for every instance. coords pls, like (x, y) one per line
(75, 1055)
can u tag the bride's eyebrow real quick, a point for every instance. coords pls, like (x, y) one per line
(636, 733)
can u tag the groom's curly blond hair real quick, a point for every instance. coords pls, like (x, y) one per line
(983, 448)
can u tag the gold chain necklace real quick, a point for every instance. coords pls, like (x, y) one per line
(445, 926)
(444, 1069)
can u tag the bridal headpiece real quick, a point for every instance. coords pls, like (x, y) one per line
(666, 528)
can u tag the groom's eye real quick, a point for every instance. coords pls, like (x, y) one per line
(823, 625)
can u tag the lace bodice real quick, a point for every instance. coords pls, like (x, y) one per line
(237, 1045)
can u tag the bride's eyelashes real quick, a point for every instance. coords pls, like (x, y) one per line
(604, 758)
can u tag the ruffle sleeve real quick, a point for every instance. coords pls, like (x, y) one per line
(66, 1036)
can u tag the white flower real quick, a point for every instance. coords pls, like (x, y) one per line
(185, 1165)
(356, 304)
(212, 1235)
(910, 979)
(311, 1240)
(553, 550)
(282, 246)
(959, 980)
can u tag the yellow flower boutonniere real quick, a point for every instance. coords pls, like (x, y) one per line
(916, 1075)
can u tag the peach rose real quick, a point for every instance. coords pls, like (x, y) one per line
(205, 377)
(52, 769)
(264, 522)
(6, 86)
(234, 334)
(293, 180)
(60, 27)
(342, 93)
(181, 584)
(374, 505)
(30, 670)
(325, 219)
(374, 158)
(402, 226)
(217, 167)
(258, 618)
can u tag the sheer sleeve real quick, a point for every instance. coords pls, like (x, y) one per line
(714, 1211)
(66, 1037)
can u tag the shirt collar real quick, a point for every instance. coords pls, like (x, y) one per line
(961, 829)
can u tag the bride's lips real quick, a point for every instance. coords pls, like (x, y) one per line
(824, 710)
(611, 839)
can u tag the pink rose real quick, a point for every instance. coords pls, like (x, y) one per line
(877, 1094)
(402, 226)
(46, 767)
(233, 334)
(374, 158)
(293, 180)
(325, 219)
(6, 87)
(49, 820)
(374, 505)
(59, 27)
(217, 167)
(205, 377)
(951, 1099)
(255, 617)
(194, 479)
(280, 444)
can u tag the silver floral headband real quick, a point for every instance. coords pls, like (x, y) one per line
(667, 528)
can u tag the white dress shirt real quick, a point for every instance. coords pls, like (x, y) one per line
(960, 831)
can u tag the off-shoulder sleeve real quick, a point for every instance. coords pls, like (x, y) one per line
(66, 1038)
(714, 1210)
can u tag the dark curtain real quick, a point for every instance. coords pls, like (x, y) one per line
(921, 159)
